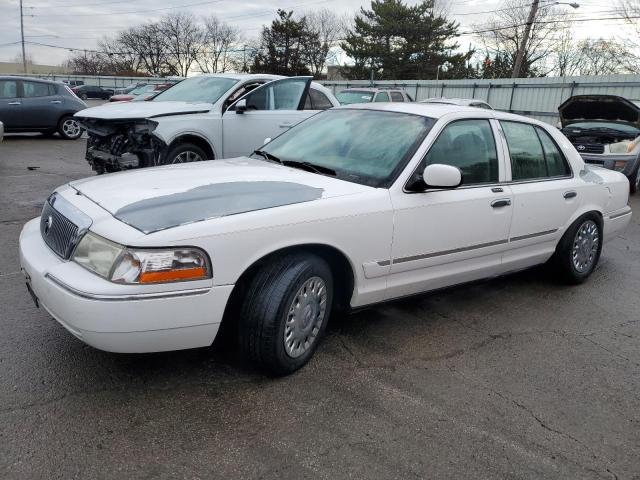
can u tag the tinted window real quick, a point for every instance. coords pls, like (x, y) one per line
(278, 95)
(470, 146)
(8, 89)
(362, 146)
(35, 89)
(527, 156)
(319, 100)
(382, 97)
(556, 163)
(397, 97)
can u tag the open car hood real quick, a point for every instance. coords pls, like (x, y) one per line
(153, 199)
(134, 110)
(601, 108)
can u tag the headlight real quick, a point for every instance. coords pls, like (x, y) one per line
(141, 266)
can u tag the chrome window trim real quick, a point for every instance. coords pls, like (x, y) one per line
(125, 297)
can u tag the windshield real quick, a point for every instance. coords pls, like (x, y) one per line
(362, 146)
(615, 126)
(348, 97)
(197, 90)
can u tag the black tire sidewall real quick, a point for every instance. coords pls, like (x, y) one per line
(61, 130)
(314, 267)
(565, 248)
(180, 148)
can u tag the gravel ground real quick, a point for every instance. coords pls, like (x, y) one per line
(517, 377)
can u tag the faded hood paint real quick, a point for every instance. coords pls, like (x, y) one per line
(606, 108)
(158, 198)
(135, 110)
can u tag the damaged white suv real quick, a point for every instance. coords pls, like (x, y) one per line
(201, 118)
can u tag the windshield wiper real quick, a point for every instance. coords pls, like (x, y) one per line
(268, 156)
(310, 167)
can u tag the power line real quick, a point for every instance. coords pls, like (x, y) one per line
(208, 2)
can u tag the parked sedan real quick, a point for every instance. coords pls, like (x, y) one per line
(605, 129)
(464, 102)
(32, 105)
(92, 91)
(204, 117)
(351, 207)
(143, 92)
(349, 96)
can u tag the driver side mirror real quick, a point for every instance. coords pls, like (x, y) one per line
(241, 106)
(442, 176)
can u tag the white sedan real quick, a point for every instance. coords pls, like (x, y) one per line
(357, 205)
(206, 117)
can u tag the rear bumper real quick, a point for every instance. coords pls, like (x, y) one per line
(615, 222)
(608, 161)
(131, 321)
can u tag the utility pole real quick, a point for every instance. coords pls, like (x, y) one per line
(24, 57)
(525, 39)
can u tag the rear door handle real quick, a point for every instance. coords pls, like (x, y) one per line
(15, 103)
(56, 101)
(570, 194)
(502, 202)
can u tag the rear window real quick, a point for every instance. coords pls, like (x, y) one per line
(37, 89)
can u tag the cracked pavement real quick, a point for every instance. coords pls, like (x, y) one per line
(516, 377)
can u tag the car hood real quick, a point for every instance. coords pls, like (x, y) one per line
(608, 108)
(120, 111)
(158, 198)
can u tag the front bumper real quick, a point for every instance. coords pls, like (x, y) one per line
(119, 318)
(608, 161)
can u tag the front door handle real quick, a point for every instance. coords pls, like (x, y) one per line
(570, 194)
(56, 101)
(502, 202)
(15, 103)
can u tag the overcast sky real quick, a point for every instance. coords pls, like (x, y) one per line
(78, 24)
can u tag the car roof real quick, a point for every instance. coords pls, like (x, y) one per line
(370, 89)
(240, 76)
(31, 79)
(438, 110)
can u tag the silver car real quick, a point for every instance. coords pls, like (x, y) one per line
(34, 105)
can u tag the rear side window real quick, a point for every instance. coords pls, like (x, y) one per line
(557, 165)
(533, 153)
(470, 146)
(36, 89)
(397, 97)
(8, 89)
(382, 97)
(317, 101)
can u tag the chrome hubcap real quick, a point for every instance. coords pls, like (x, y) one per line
(585, 246)
(71, 128)
(305, 316)
(187, 156)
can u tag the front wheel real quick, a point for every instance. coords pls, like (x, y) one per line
(285, 312)
(578, 252)
(69, 128)
(184, 153)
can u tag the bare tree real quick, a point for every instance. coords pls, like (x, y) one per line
(566, 54)
(219, 44)
(630, 10)
(503, 34)
(183, 39)
(328, 28)
(603, 57)
(148, 44)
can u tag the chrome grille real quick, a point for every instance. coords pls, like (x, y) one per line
(590, 148)
(60, 232)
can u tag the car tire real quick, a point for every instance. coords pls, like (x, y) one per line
(184, 153)
(84, 96)
(285, 312)
(634, 182)
(579, 249)
(69, 128)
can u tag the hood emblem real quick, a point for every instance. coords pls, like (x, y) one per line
(581, 147)
(48, 224)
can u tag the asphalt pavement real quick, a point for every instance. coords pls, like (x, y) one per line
(517, 377)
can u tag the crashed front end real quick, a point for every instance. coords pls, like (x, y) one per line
(116, 145)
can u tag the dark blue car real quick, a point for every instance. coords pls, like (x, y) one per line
(33, 105)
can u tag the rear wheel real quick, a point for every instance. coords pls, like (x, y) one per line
(69, 128)
(184, 153)
(579, 250)
(285, 312)
(84, 96)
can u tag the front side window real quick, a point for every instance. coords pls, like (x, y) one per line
(279, 95)
(382, 97)
(470, 146)
(362, 146)
(201, 89)
(533, 153)
(397, 97)
(35, 89)
(8, 89)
